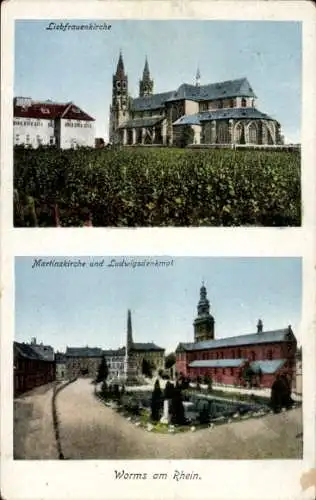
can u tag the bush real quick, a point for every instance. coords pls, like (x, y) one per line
(156, 187)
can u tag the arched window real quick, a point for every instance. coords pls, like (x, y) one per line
(269, 354)
(253, 133)
(240, 134)
(223, 133)
(238, 353)
(253, 355)
(243, 102)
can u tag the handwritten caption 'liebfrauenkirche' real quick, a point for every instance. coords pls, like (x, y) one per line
(122, 262)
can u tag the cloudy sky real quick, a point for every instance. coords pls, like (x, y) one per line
(88, 305)
(78, 65)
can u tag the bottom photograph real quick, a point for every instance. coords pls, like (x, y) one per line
(157, 358)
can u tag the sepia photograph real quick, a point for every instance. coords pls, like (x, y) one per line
(110, 129)
(158, 358)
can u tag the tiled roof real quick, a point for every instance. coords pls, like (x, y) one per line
(50, 110)
(84, 352)
(216, 363)
(218, 90)
(154, 101)
(240, 340)
(114, 352)
(223, 114)
(46, 351)
(146, 346)
(27, 351)
(267, 366)
(142, 122)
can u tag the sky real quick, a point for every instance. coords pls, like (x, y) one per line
(78, 65)
(67, 306)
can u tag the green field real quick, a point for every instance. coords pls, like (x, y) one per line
(157, 187)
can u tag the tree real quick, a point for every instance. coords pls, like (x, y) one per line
(103, 371)
(170, 360)
(147, 368)
(156, 399)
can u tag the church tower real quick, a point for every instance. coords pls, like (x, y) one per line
(146, 85)
(119, 107)
(129, 336)
(204, 322)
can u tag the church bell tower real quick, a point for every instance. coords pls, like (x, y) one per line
(119, 107)
(204, 322)
(146, 85)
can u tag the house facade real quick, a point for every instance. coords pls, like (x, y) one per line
(31, 369)
(83, 361)
(48, 123)
(115, 360)
(216, 113)
(264, 354)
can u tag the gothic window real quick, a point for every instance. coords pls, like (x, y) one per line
(253, 355)
(238, 353)
(243, 102)
(232, 371)
(269, 354)
(223, 133)
(253, 133)
(118, 84)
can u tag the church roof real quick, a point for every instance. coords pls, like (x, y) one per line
(146, 346)
(222, 114)
(84, 352)
(217, 363)
(211, 91)
(218, 90)
(142, 122)
(267, 366)
(271, 336)
(154, 101)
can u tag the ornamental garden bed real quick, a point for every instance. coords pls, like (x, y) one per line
(200, 411)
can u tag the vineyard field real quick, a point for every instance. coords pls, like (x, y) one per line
(156, 187)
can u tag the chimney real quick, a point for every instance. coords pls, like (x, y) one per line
(259, 326)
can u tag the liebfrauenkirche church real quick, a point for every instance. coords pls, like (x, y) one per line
(215, 113)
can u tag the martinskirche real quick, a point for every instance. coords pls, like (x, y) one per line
(215, 113)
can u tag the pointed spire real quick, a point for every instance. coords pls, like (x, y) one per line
(260, 326)
(120, 66)
(146, 73)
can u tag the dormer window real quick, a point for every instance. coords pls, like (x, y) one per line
(76, 110)
(45, 111)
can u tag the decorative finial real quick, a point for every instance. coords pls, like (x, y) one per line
(197, 77)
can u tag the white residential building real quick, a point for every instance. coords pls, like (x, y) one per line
(48, 123)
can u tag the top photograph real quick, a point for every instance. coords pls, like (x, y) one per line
(125, 123)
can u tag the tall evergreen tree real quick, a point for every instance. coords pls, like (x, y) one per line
(103, 371)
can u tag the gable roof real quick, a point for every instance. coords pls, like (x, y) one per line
(217, 363)
(48, 110)
(146, 346)
(222, 114)
(46, 351)
(27, 351)
(84, 352)
(211, 91)
(283, 335)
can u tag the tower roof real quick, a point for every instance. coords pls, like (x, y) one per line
(120, 71)
(146, 72)
(129, 340)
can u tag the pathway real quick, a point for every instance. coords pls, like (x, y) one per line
(90, 430)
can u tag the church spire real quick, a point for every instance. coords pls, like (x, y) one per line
(146, 85)
(204, 322)
(120, 71)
